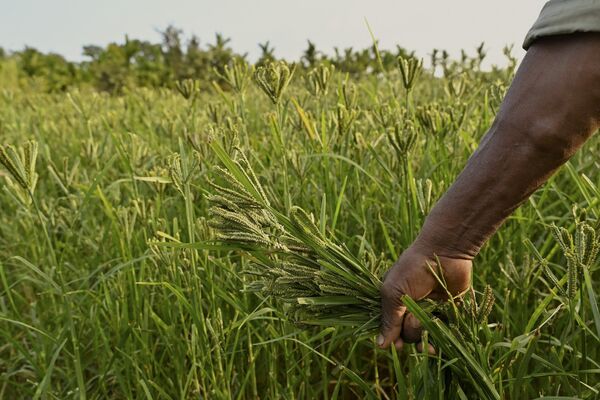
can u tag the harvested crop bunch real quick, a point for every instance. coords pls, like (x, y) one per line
(292, 259)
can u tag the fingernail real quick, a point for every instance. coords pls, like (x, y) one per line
(380, 340)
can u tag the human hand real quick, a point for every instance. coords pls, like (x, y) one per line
(411, 276)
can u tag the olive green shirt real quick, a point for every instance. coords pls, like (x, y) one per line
(559, 17)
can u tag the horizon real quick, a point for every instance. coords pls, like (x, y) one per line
(419, 27)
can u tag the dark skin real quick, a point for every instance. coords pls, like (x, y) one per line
(550, 110)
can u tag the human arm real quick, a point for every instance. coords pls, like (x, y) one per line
(550, 110)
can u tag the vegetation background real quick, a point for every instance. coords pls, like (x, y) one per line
(106, 288)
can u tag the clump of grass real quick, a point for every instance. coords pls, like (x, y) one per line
(292, 258)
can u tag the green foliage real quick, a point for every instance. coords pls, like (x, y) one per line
(165, 242)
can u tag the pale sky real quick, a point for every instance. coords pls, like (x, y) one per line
(64, 26)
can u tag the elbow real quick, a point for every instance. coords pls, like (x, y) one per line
(546, 136)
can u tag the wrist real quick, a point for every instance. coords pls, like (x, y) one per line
(447, 240)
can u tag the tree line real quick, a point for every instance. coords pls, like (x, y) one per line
(141, 63)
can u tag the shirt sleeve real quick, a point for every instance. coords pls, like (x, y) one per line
(559, 17)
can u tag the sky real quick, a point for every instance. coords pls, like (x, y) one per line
(64, 26)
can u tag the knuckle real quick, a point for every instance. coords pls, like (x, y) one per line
(385, 324)
(390, 290)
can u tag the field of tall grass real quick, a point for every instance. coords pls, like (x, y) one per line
(229, 243)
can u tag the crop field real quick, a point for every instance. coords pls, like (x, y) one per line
(227, 240)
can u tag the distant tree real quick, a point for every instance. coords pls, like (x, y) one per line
(133, 63)
(196, 59)
(310, 57)
(267, 53)
(111, 69)
(148, 63)
(92, 51)
(219, 53)
(173, 52)
(53, 70)
(351, 61)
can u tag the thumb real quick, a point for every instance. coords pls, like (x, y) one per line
(392, 315)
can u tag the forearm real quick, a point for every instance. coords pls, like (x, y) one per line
(497, 179)
(552, 107)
